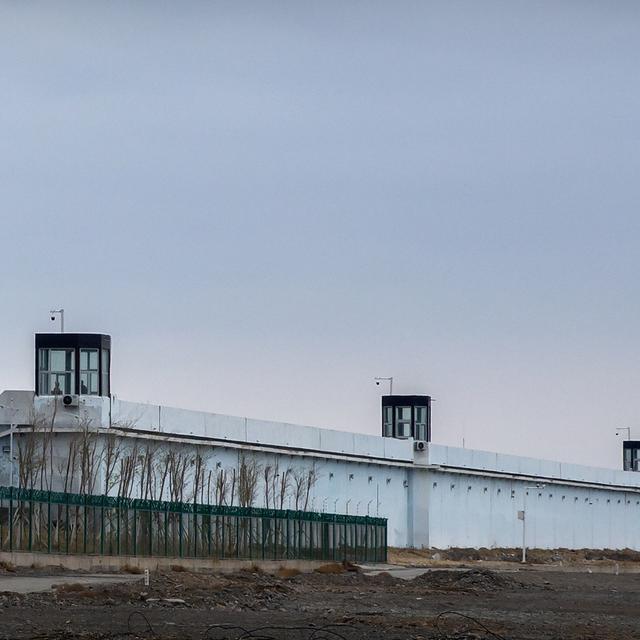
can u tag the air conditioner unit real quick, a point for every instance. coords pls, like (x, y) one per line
(70, 400)
(420, 445)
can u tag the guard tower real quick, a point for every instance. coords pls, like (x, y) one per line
(72, 364)
(407, 417)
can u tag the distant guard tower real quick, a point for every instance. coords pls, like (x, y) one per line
(73, 365)
(407, 417)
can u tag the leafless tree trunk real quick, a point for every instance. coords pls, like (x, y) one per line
(284, 486)
(248, 475)
(268, 475)
(222, 487)
(128, 472)
(178, 463)
(111, 452)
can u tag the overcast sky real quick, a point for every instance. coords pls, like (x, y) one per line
(267, 204)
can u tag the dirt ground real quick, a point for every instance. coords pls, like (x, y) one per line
(337, 603)
(559, 557)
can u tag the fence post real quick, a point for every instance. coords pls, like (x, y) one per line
(84, 525)
(275, 538)
(49, 522)
(195, 531)
(118, 528)
(166, 529)
(10, 518)
(335, 542)
(102, 526)
(384, 536)
(223, 537)
(288, 542)
(366, 541)
(67, 529)
(135, 529)
(30, 522)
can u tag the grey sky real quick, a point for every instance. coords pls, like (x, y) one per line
(267, 204)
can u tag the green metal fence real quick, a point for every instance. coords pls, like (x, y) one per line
(49, 522)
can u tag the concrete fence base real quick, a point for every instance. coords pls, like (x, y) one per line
(101, 564)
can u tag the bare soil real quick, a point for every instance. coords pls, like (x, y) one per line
(428, 557)
(336, 603)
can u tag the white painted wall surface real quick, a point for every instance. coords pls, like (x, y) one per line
(481, 511)
(281, 434)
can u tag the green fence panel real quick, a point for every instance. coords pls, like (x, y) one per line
(50, 522)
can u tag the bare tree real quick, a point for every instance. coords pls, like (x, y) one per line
(303, 482)
(222, 487)
(284, 485)
(128, 472)
(248, 475)
(232, 488)
(87, 444)
(147, 480)
(199, 475)
(111, 452)
(267, 485)
(164, 474)
(178, 463)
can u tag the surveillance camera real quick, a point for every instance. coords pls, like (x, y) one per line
(377, 383)
(53, 318)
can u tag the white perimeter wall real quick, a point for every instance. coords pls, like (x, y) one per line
(472, 499)
(444, 497)
(475, 511)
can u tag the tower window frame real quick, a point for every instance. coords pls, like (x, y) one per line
(387, 420)
(89, 371)
(403, 422)
(420, 422)
(105, 366)
(56, 366)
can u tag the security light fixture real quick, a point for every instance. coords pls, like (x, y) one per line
(378, 380)
(58, 312)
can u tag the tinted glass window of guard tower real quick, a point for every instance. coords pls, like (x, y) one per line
(73, 364)
(406, 417)
(631, 455)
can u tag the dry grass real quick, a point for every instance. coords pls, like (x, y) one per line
(178, 568)
(330, 568)
(130, 568)
(286, 572)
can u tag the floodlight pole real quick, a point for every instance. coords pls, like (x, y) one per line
(627, 429)
(389, 380)
(59, 312)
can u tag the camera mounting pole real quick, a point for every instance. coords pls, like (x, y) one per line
(389, 380)
(60, 312)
